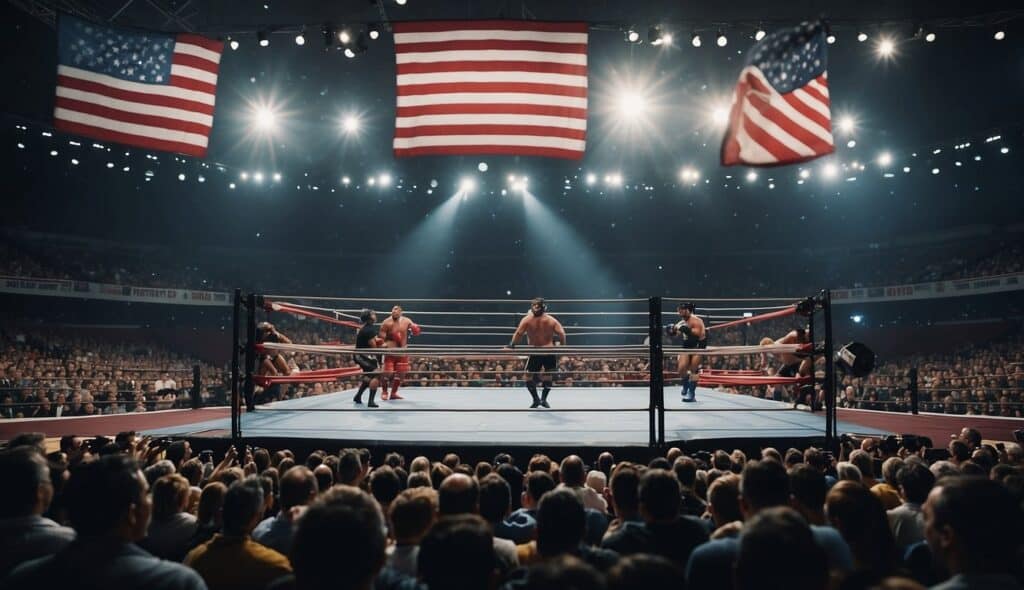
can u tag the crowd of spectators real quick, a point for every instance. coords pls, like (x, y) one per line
(741, 274)
(133, 512)
(49, 373)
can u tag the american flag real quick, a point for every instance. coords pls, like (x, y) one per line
(144, 89)
(780, 111)
(491, 87)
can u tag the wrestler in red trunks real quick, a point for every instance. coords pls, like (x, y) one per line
(395, 333)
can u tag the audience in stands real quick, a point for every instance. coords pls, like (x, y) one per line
(262, 520)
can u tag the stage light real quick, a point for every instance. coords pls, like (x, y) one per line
(467, 185)
(633, 36)
(265, 119)
(350, 124)
(300, 39)
(233, 44)
(345, 180)
(830, 39)
(384, 180)
(277, 177)
(846, 124)
(371, 181)
(400, 2)
(760, 34)
(857, 318)
(999, 36)
(862, 37)
(243, 176)
(657, 36)
(231, 185)
(695, 40)
(929, 37)
(751, 176)
(482, 166)
(257, 177)
(748, 314)
(852, 143)
(690, 174)
(614, 179)
(349, 53)
(829, 170)
(263, 38)
(884, 159)
(720, 115)
(590, 179)
(805, 173)
(74, 161)
(1004, 150)
(906, 169)
(721, 39)
(181, 177)
(374, 33)
(110, 164)
(200, 178)
(344, 36)
(885, 48)
(631, 104)
(935, 170)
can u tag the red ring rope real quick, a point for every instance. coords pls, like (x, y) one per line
(757, 318)
(286, 307)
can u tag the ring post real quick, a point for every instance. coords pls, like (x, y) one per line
(830, 374)
(814, 359)
(657, 401)
(912, 376)
(250, 352)
(236, 405)
(196, 385)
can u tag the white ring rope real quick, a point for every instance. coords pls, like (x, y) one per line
(732, 299)
(474, 313)
(521, 351)
(414, 300)
(762, 308)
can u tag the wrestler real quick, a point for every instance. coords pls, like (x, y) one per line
(369, 363)
(690, 329)
(394, 331)
(797, 364)
(272, 363)
(541, 329)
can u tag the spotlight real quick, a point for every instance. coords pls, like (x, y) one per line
(233, 44)
(851, 144)
(263, 39)
(760, 34)
(181, 176)
(1004, 150)
(276, 177)
(300, 39)
(720, 115)
(695, 40)
(633, 36)
(384, 180)
(482, 166)
(690, 174)
(632, 104)
(884, 159)
(751, 176)
(400, 2)
(862, 37)
(345, 180)
(613, 179)
(999, 36)
(830, 39)
(657, 36)
(830, 170)
(857, 318)
(243, 176)
(929, 37)
(721, 39)
(344, 36)
(805, 173)
(257, 177)
(374, 33)
(350, 124)
(371, 181)
(885, 47)
(467, 185)
(847, 124)
(266, 119)
(590, 179)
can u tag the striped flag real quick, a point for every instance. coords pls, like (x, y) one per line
(780, 111)
(491, 87)
(144, 89)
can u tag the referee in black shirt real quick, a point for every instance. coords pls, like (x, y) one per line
(370, 363)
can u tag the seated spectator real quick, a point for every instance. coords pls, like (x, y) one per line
(460, 494)
(458, 554)
(685, 469)
(299, 487)
(324, 476)
(866, 465)
(807, 487)
(521, 526)
(350, 468)
(561, 526)
(561, 573)
(172, 528)
(907, 520)
(385, 485)
(973, 527)
(514, 477)
(209, 514)
(411, 515)
(252, 564)
(847, 471)
(664, 532)
(763, 484)
(339, 542)
(109, 508)
(573, 476)
(495, 500)
(767, 547)
(887, 491)
(724, 506)
(597, 481)
(860, 518)
(25, 533)
(625, 498)
(649, 572)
